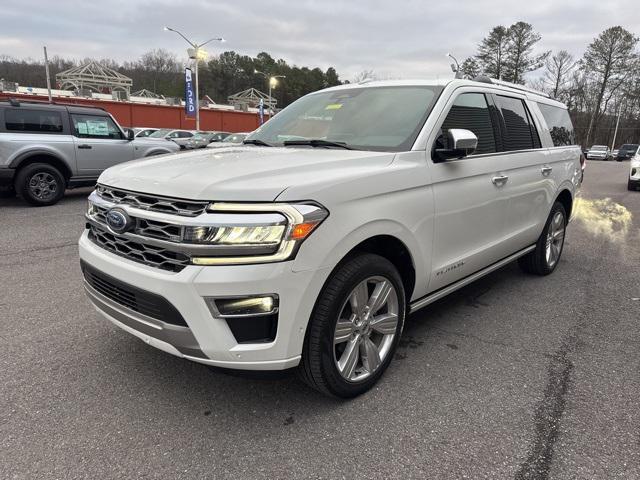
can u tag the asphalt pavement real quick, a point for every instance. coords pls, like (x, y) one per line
(515, 376)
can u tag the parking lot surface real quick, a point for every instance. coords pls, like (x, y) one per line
(515, 376)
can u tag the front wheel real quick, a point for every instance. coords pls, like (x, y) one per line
(354, 328)
(544, 259)
(40, 184)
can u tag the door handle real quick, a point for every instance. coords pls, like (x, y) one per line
(84, 146)
(546, 170)
(500, 180)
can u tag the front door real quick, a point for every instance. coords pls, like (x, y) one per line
(99, 143)
(469, 194)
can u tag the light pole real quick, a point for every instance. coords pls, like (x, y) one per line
(615, 132)
(273, 82)
(197, 53)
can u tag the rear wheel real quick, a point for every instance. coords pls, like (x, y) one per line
(355, 327)
(544, 259)
(40, 184)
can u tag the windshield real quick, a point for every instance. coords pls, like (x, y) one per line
(160, 133)
(235, 138)
(599, 147)
(202, 136)
(629, 147)
(365, 118)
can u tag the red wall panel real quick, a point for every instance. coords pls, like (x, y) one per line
(161, 116)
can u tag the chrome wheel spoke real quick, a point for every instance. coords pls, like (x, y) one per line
(385, 324)
(344, 330)
(379, 296)
(358, 298)
(349, 359)
(370, 355)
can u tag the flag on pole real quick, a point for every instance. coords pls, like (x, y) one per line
(261, 110)
(189, 95)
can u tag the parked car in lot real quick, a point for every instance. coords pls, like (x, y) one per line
(202, 139)
(634, 172)
(142, 132)
(627, 151)
(46, 148)
(599, 152)
(230, 140)
(308, 245)
(179, 137)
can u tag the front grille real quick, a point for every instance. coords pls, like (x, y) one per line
(133, 298)
(151, 255)
(186, 208)
(145, 227)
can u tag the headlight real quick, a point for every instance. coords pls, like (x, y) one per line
(254, 233)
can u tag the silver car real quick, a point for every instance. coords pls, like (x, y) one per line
(47, 148)
(202, 139)
(179, 137)
(599, 152)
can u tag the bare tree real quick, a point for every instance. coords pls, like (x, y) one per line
(364, 75)
(609, 60)
(557, 72)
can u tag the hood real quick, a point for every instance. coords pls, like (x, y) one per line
(245, 173)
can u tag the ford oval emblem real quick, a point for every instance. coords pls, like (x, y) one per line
(118, 220)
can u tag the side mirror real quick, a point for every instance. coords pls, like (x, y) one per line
(130, 134)
(458, 144)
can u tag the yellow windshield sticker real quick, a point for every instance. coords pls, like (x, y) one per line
(333, 106)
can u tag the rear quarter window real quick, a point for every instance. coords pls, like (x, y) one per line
(559, 123)
(33, 121)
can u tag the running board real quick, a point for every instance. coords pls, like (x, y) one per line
(443, 292)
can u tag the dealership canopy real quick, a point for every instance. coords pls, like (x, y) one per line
(93, 77)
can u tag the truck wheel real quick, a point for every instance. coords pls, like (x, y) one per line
(40, 184)
(544, 259)
(354, 328)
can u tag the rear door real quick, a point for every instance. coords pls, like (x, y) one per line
(469, 195)
(528, 172)
(99, 143)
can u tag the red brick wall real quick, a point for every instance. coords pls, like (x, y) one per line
(166, 116)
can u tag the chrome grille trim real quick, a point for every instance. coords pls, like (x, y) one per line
(144, 253)
(175, 206)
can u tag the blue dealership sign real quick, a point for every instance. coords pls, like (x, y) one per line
(189, 95)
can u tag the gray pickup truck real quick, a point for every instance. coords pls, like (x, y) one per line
(47, 148)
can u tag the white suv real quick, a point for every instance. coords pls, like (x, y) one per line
(307, 246)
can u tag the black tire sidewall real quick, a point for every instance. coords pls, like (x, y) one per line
(336, 291)
(26, 173)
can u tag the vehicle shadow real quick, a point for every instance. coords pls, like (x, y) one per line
(70, 197)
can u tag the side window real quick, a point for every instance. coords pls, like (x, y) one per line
(470, 111)
(185, 134)
(520, 132)
(559, 124)
(33, 121)
(94, 126)
(173, 135)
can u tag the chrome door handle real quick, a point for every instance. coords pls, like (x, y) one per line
(546, 170)
(500, 180)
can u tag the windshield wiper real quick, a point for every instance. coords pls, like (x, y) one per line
(317, 142)
(256, 141)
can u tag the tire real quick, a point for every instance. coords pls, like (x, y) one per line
(631, 186)
(50, 188)
(546, 256)
(325, 363)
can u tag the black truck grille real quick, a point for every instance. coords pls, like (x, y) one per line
(133, 298)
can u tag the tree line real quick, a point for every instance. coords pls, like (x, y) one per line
(161, 72)
(599, 87)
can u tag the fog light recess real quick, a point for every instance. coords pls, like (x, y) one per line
(251, 319)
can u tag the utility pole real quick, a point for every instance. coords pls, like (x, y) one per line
(615, 132)
(46, 69)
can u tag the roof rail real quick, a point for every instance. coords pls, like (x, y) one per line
(14, 102)
(515, 86)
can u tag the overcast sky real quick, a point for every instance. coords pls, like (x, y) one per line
(396, 39)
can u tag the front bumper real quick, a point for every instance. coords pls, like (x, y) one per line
(6, 177)
(207, 339)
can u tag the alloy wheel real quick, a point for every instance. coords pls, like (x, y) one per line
(366, 328)
(555, 239)
(43, 185)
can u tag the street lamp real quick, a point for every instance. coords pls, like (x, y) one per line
(273, 83)
(197, 53)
